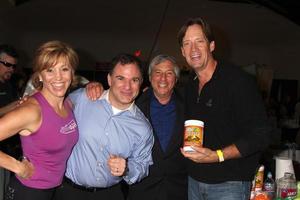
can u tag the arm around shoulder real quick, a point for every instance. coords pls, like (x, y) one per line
(8, 107)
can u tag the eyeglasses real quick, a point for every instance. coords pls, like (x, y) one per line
(7, 64)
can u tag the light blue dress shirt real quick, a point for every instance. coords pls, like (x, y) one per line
(101, 133)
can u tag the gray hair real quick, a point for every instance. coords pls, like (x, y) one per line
(162, 58)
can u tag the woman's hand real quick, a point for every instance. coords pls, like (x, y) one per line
(26, 169)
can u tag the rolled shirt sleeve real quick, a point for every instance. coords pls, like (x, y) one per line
(140, 160)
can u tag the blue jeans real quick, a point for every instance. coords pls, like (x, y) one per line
(230, 190)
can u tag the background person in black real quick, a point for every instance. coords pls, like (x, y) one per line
(8, 61)
(236, 128)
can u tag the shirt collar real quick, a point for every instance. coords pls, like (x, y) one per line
(215, 75)
(131, 108)
(153, 98)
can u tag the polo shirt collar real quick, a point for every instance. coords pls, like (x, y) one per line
(215, 75)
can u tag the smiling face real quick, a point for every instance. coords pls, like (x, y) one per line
(196, 49)
(163, 79)
(125, 82)
(6, 71)
(56, 79)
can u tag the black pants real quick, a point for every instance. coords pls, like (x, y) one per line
(17, 191)
(67, 192)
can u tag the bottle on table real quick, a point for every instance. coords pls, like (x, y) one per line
(286, 187)
(257, 183)
(259, 179)
(269, 186)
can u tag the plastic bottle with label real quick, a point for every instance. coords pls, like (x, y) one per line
(269, 186)
(286, 186)
(259, 179)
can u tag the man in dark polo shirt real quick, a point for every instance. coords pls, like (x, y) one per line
(236, 130)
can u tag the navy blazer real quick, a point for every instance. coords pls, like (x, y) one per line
(167, 179)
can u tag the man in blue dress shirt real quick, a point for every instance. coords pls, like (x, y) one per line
(163, 105)
(115, 139)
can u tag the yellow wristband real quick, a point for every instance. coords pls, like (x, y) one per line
(220, 155)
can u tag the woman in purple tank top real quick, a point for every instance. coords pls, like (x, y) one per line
(46, 125)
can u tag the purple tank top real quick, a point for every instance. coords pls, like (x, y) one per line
(50, 146)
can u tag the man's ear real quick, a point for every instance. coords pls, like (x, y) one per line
(109, 79)
(182, 52)
(212, 46)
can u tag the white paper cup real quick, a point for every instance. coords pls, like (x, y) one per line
(283, 164)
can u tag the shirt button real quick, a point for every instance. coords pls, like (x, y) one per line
(98, 179)
(99, 164)
(106, 133)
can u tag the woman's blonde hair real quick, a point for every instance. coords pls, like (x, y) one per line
(48, 54)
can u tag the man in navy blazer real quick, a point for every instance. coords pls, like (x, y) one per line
(163, 106)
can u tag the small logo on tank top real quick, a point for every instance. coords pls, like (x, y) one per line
(69, 127)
